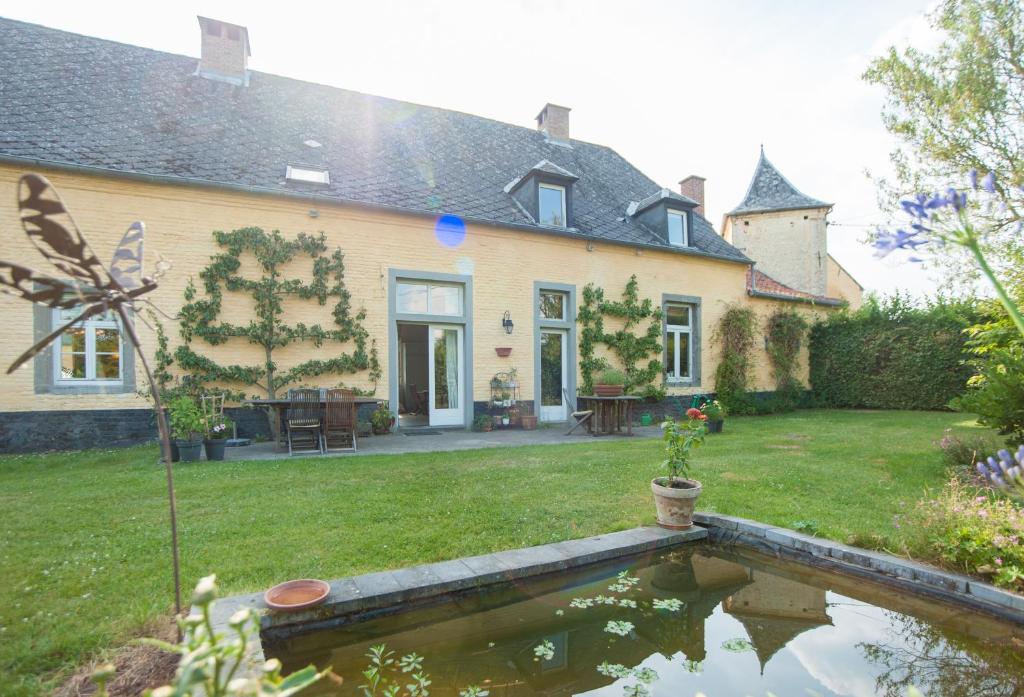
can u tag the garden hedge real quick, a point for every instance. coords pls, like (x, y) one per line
(891, 355)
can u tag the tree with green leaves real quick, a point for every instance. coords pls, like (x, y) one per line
(200, 316)
(958, 108)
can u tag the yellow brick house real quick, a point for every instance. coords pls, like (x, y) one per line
(461, 235)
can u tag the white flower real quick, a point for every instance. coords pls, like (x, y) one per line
(206, 590)
(240, 617)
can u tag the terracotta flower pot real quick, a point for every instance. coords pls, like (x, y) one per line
(675, 505)
(529, 422)
(297, 595)
(503, 351)
(609, 390)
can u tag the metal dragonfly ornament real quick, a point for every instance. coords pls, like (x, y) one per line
(91, 289)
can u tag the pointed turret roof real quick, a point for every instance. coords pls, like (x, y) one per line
(770, 191)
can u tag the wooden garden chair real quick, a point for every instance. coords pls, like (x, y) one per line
(304, 418)
(340, 421)
(581, 417)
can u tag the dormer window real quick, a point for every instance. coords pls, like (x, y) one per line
(666, 215)
(551, 205)
(544, 194)
(307, 175)
(678, 230)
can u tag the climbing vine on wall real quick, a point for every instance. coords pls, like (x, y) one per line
(200, 316)
(785, 330)
(633, 350)
(735, 335)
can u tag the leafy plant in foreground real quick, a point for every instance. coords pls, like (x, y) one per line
(210, 661)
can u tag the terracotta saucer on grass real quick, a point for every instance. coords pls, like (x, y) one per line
(297, 595)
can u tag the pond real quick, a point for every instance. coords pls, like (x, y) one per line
(694, 620)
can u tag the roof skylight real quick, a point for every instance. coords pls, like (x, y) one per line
(307, 175)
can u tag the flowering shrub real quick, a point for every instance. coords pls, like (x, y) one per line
(680, 440)
(219, 427)
(713, 410)
(961, 452)
(979, 534)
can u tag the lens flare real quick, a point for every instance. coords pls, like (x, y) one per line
(450, 230)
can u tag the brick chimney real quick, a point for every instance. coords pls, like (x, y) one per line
(225, 51)
(554, 121)
(693, 187)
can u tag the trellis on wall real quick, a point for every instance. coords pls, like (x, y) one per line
(633, 351)
(201, 316)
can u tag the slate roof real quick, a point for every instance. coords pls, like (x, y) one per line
(67, 99)
(770, 191)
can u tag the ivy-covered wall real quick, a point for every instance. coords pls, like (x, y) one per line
(890, 355)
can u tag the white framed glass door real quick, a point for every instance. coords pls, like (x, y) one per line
(553, 375)
(446, 368)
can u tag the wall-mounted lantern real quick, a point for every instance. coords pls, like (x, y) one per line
(506, 322)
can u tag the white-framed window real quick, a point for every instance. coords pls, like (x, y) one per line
(552, 305)
(428, 298)
(90, 352)
(678, 343)
(678, 230)
(551, 205)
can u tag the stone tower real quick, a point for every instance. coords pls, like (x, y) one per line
(782, 229)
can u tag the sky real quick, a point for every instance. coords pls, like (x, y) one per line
(676, 87)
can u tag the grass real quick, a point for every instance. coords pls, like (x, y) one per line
(84, 550)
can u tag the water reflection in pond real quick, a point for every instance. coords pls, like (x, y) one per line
(705, 620)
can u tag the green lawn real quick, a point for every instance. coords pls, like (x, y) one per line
(84, 560)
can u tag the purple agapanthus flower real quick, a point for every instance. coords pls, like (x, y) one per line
(989, 183)
(887, 242)
(1004, 471)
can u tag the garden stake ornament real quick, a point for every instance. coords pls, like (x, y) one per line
(91, 288)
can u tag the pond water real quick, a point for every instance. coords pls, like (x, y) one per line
(705, 620)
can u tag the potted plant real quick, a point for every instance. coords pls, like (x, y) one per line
(676, 494)
(217, 433)
(504, 420)
(483, 423)
(382, 419)
(715, 414)
(187, 427)
(610, 383)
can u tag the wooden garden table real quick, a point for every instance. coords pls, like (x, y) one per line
(610, 412)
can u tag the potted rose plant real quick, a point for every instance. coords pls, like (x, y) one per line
(217, 433)
(187, 428)
(715, 414)
(610, 383)
(676, 495)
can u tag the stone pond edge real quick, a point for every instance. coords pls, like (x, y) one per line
(383, 589)
(880, 567)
